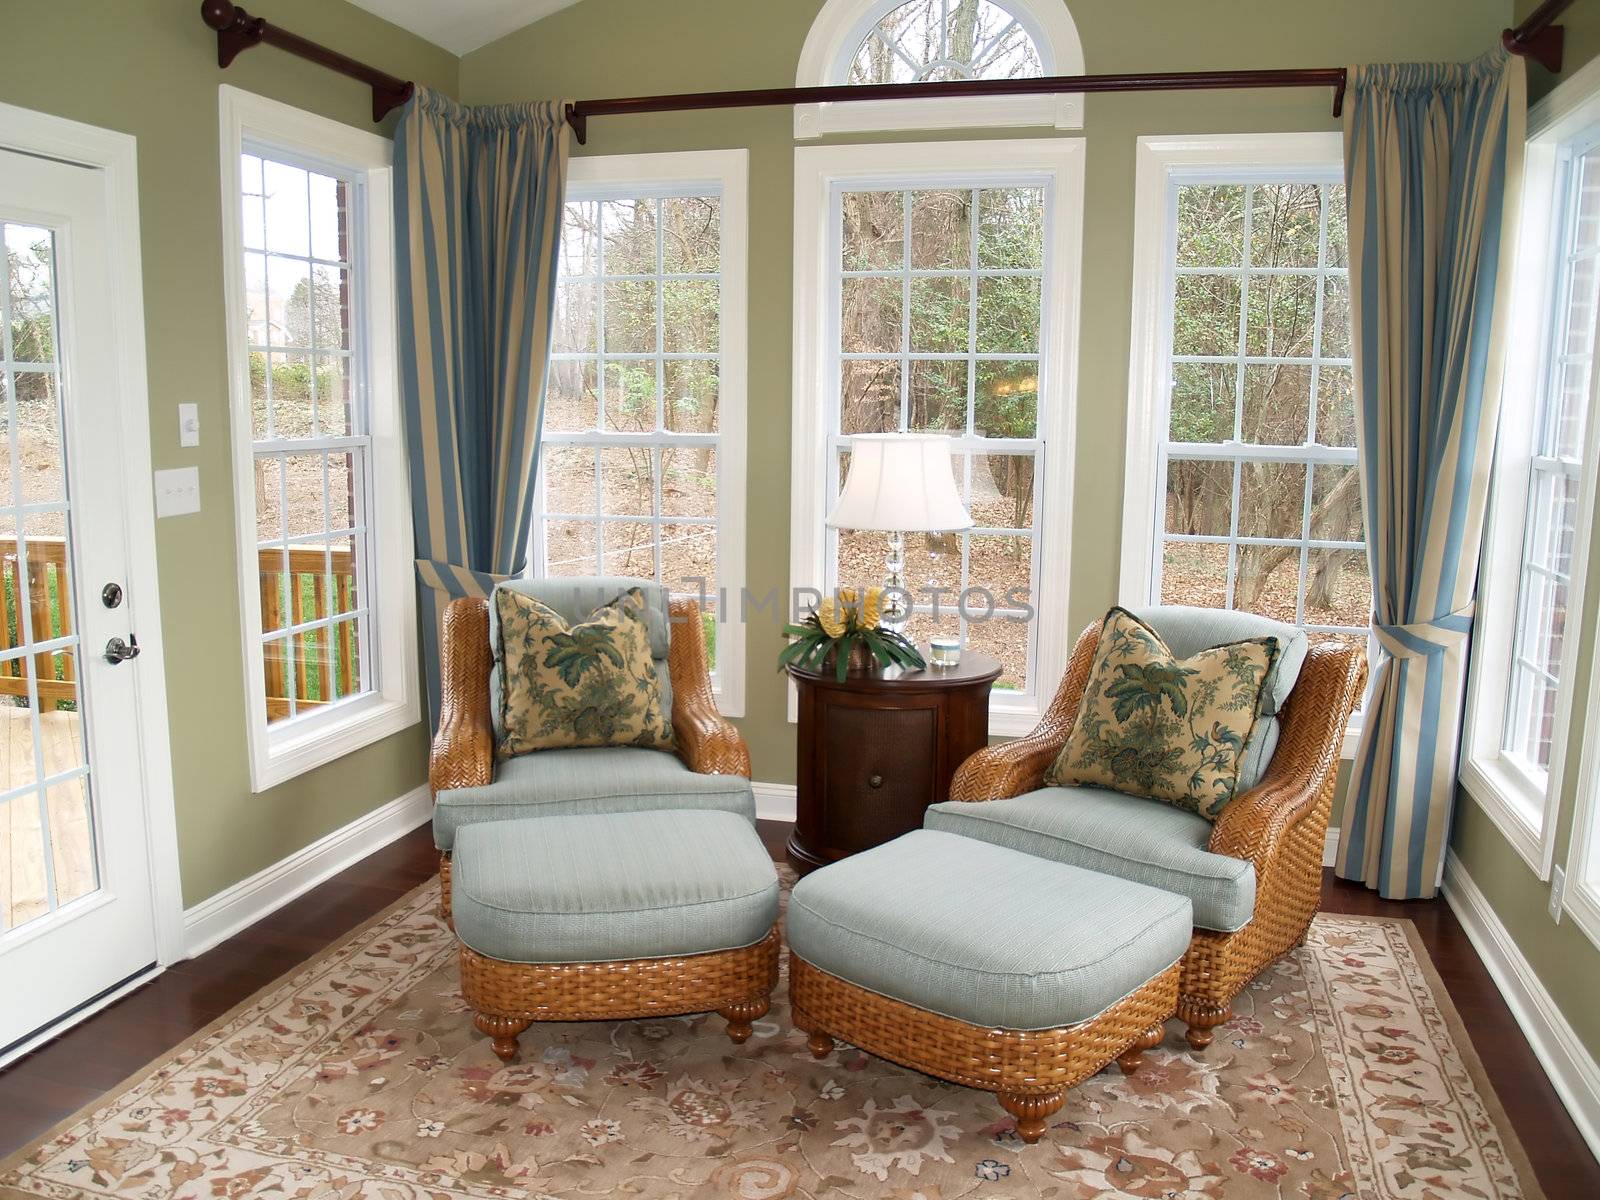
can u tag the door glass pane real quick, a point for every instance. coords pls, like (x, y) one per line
(47, 854)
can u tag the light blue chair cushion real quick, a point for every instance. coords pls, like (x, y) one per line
(573, 599)
(602, 888)
(984, 934)
(1187, 631)
(1127, 836)
(608, 779)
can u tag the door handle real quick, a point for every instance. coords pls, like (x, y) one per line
(118, 650)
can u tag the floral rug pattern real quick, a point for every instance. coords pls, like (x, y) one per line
(1343, 1073)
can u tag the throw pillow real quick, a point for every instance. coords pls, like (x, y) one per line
(1171, 729)
(589, 684)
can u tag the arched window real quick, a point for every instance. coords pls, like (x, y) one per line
(916, 41)
(939, 40)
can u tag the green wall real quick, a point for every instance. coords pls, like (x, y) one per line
(1566, 961)
(631, 47)
(148, 68)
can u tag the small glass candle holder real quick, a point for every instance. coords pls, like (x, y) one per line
(944, 651)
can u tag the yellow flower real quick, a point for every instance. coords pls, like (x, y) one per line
(872, 608)
(831, 616)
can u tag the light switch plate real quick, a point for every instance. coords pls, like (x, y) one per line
(177, 491)
(1558, 886)
(188, 424)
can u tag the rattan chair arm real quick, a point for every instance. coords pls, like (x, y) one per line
(705, 739)
(1011, 768)
(463, 748)
(1256, 824)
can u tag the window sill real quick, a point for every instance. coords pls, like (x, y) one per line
(281, 755)
(1513, 803)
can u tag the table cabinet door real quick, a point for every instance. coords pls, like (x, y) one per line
(879, 771)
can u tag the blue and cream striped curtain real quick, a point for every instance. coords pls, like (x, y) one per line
(478, 202)
(1433, 157)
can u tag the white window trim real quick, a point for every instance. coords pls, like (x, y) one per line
(1158, 161)
(1523, 811)
(816, 170)
(726, 172)
(839, 29)
(280, 753)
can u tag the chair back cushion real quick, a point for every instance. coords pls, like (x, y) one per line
(573, 599)
(1153, 724)
(1187, 631)
(593, 683)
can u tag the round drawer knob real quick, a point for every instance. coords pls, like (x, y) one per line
(875, 781)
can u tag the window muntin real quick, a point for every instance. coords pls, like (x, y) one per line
(1260, 500)
(632, 454)
(1555, 474)
(937, 296)
(945, 40)
(310, 430)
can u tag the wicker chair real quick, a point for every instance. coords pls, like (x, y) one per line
(1278, 825)
(463, 753)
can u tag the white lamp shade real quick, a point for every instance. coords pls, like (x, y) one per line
(900, 481)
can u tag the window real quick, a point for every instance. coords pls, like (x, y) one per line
(1243, 386)
(642, 453)
(1519, 706)
(938, 296)
(323, 514)
(919, 41)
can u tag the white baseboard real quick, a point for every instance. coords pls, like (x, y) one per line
(1572, 1070)
(1330, 847)
(246, 902)
(774, 801)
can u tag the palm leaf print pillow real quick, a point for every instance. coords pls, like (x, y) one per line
(589, 684)
(1153, 725)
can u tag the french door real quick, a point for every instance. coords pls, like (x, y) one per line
(76, 910)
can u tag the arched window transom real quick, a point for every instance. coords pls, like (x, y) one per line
(933, 41)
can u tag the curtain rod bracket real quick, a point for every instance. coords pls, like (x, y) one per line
(579, 124)
(1544, 47)
(237, 30)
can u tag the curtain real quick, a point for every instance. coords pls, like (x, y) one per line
(1433, 157)
(478, 202)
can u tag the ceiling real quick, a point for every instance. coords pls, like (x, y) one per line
(462, 25)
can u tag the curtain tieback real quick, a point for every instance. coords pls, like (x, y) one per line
(456, 581)
(1423, 639)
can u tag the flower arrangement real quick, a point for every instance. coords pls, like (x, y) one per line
(844, 626)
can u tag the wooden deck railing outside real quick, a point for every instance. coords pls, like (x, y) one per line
(317, 672)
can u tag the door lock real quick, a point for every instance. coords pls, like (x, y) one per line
(111, 595)
(118, 650)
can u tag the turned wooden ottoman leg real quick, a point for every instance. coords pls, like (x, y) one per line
(1132, 1058)
(1201, 1017)
(502, 1033)
(740, 1015)
(1031, 1109)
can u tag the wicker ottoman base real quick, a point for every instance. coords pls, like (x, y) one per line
(1030, 1069)
(509, 996)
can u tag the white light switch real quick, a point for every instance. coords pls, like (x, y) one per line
(188, 424)
(177, 491)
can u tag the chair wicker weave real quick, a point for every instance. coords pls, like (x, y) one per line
(463, 749)
(1279, 825)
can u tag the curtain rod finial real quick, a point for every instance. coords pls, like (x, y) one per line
(218, 14)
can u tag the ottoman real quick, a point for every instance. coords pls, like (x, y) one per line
(984, 966)
(582, 918)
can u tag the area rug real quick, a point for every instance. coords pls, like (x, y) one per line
(1344, 1072)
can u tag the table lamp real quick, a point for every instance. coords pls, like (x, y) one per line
(899, 483)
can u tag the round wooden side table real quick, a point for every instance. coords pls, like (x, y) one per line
(874, 751)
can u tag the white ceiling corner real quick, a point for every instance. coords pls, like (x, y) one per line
(460, 26)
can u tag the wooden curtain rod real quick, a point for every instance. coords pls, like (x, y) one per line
(1538, 37)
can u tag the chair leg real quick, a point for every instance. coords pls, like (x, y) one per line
(502, 1033)
(1201, 1016)
(1031, 1109)
(444, 891)
(1132, 1058)
(740, 1016)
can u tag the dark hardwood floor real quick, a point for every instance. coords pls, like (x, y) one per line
(78, 1067)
